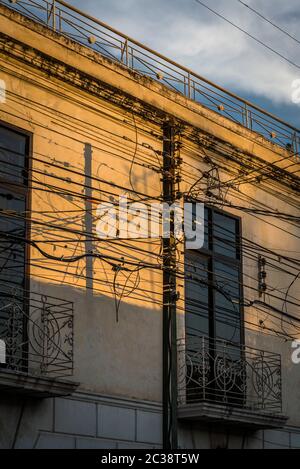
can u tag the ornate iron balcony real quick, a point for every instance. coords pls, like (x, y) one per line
(36, 333)
(221, 373)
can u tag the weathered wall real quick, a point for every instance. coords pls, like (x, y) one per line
(67, 109)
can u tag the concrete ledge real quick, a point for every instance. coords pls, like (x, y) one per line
(13, 382)
(244, 418)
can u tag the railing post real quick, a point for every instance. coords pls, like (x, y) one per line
(127, 58)
(124, 52)
(51, 12)
(246, 116)
(295, 139)
(48, 15)
(132, 64)
(60, 21)
(189, 86)
(54, 15)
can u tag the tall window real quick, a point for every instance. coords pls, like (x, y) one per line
(213, 281)
(14, 149)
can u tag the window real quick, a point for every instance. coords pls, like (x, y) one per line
(214, 370)
(213, 281)
(14, 149)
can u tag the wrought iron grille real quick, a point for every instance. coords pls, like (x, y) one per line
(73, 23)
(224, 373)
(37, 331)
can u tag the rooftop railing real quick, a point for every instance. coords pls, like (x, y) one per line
(107, 41)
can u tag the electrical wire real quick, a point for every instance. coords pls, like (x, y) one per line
(269, 21)
(248, 34)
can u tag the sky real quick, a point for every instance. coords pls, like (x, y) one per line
(191, 35)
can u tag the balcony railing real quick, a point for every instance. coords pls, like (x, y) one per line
(88, 31)
(219, 372)
(36, 333)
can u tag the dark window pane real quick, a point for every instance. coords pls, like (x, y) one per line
(224, 235)
(12, 252)
(227, 302)
(12, 246)
(12, 155)
(220, 237)
(196, 294)
(12, 141)
(228, 328)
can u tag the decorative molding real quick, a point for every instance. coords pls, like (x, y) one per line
(67, 74)
(13, 382)
(227, 415)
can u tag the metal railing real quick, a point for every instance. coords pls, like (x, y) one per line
(37, 331)
(88, 31)
(219, 372)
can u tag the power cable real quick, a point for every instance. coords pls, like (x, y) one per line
(248, 34)
(269, 21)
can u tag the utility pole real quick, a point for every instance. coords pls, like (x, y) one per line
(88, 154)
(169, 296)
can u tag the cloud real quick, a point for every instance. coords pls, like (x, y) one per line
(196, 38)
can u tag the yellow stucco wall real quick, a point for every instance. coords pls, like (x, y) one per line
(63, 111)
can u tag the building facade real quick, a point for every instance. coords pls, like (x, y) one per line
(137, 341)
